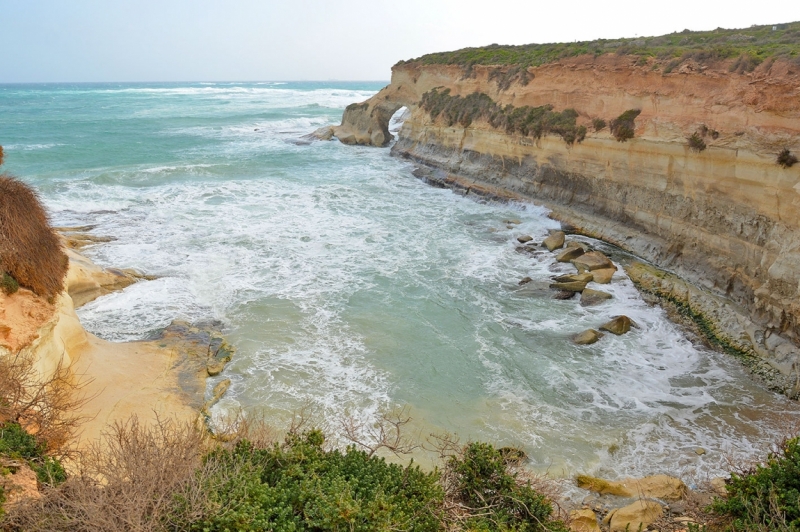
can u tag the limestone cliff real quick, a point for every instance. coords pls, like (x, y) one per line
(725, 217)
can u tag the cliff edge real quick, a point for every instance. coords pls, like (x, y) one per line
(686, 162)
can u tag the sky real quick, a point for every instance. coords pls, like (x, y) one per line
(271, 40)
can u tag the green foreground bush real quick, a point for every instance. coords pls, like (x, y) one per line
(173, 477)
(768, 496)
(16, 444)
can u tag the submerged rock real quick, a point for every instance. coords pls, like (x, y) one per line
(593, 297)
(323, 133)
(524, 280)
(564, 294)
(554, 241)
(618, 325)
(587, 337)
(569, 254)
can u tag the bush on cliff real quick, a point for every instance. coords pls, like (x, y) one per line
(766, 497)
(527, 121)
(30, 251)
(696, 142)
(623, 126)
(17, 444)
(786, 159)
(598, 124)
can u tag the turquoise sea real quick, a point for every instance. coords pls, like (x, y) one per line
(353, 288)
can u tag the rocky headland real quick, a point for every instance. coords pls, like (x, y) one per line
(686, 162)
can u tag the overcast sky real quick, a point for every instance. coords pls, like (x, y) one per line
(241, 40)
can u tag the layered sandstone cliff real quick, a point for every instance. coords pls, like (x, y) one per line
(726, 218)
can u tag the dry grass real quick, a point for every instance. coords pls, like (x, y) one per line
(127, 482)
(30, 251)
(45, 408)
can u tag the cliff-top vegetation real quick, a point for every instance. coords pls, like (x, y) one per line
(30, 252)
(749, 46)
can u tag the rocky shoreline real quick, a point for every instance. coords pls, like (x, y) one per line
(723, 219)
(162, 376)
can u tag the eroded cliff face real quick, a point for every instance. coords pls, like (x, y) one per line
(727, 218)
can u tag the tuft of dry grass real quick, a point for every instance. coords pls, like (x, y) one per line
(45, 408)
(127, 481)
(30, 251)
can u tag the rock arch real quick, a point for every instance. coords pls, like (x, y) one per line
(367, 123)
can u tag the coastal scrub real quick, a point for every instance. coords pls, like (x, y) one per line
(527, 121)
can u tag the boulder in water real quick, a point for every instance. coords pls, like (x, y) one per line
(618, 325)
(587, 337)
(594, 260)
(572, 286)
(525, 238)
(554, 241)
(564, 294)
(579, 277)
(569, 254)
(603, 275)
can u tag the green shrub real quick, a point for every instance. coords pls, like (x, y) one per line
(746, 46)
(17, 444)
(8, 284)
(598, 124)
(696, 143)
(505, 77)
(623, 126)
(768, 495)
(527, 121)
(497, 500)
(301, 486)
(746, 62)
(786, 159)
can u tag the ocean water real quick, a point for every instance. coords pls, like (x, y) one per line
(351, 288)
